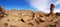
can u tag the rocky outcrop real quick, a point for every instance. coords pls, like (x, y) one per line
(52, 10)
(2, 12)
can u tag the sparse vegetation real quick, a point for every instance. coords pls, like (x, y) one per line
(52, 25)
(12, 19)
(31, 24)
(37, 21)
(5, 24)
(57, 14)
(18, 20)
(12, 26)
(8, 20)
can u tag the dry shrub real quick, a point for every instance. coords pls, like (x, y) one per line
(5, 24)
(13, 26)
(52, 25)
(57, 14)
(8, 19)
(31, 24)
(37, 21)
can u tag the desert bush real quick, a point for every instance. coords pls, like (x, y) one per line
(8, 20)
(57, 14)
(51, 25)
(12, 26)
(5, 24)
(31, 24)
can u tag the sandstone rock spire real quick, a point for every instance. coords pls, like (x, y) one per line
(52, 10)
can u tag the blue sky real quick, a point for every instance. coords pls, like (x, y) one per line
(36, 5)
(15, 4)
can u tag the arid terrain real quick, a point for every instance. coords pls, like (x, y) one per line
(27, 18)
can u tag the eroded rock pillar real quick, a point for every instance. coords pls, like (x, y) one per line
(52, 10)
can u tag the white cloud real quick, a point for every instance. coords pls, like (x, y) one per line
(40, 5)
(57, 10)
(57, 2)
(43, 5)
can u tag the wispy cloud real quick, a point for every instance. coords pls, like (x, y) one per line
(57, 2)
(43, 5)
(40, 5)
(57, 9)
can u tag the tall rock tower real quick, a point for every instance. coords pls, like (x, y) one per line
(52, 10)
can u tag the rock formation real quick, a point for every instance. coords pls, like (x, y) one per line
(2, 12)
(52, 10)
